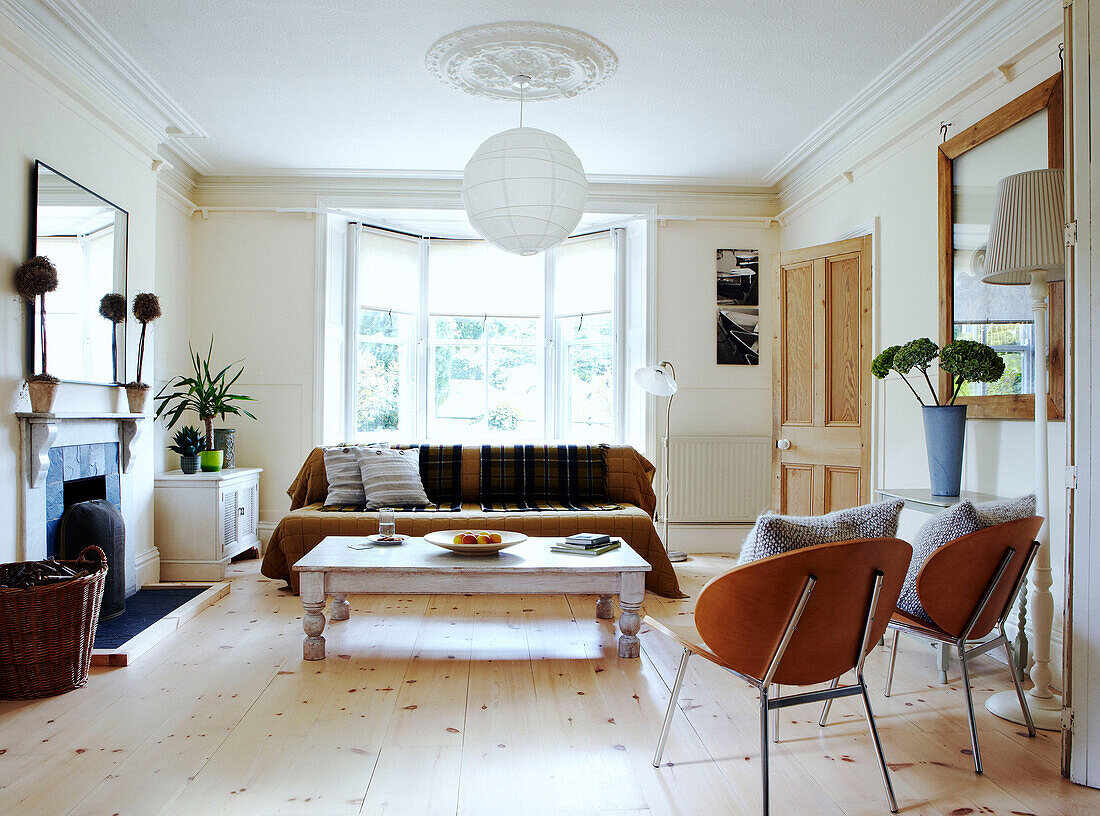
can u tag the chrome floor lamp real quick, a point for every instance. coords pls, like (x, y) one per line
(660, 380)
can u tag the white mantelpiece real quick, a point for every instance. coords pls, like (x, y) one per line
(42, 430)
(39, 433)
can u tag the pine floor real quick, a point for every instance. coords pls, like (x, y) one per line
(489, 705)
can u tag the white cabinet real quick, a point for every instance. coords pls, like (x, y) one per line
(204, 519)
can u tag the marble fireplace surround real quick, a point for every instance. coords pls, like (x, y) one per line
(39, 433)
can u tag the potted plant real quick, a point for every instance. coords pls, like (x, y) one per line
(33, 279)
(189, 444)
(146, 308)
(206, 393)
(944, 423)
(112, 307)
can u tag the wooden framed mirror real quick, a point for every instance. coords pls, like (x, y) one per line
(1025, 134)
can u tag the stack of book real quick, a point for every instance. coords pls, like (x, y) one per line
(586, 544)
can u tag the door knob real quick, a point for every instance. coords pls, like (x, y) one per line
(783, 444)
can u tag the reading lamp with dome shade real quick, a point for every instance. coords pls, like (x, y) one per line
(660, 380)
(1027, 246)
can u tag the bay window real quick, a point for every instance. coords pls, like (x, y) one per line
(455, 340)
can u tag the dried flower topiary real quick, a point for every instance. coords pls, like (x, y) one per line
(112, 306)
(146, 309)
(33, 279)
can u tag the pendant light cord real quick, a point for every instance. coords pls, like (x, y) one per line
(521, 92)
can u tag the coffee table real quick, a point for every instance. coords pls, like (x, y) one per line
(419, 568)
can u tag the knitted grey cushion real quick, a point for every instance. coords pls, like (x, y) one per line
(345, 482)
(391, 478)
(955, 522)
(773, 534)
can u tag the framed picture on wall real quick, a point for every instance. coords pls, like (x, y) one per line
(738, 306)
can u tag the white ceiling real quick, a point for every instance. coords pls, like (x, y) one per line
(705, 88)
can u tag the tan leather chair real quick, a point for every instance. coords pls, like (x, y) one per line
(798, 619)
(967, 587)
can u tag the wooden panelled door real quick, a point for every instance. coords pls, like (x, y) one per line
(821, 353)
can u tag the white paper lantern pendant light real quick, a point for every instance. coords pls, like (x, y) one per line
(524, 189)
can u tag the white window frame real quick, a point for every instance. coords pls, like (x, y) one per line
(553, 420)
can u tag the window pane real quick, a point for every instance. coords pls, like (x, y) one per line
(458, 391)
(584, 276)
(389, 272)
(459, 328)
(1013, 341)
(473, 277)
(587, 384)
(386, 373)
(515, 390)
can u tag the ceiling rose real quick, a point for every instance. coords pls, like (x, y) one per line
(484, 60)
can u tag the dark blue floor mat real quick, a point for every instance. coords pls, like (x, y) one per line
(143, 609)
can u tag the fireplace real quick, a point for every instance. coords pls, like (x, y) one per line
(79, 473)
(70, 457)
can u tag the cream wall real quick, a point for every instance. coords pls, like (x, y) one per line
(44, 121)
(253, 289)
(899, 189)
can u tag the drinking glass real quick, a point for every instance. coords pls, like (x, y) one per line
(387, 522)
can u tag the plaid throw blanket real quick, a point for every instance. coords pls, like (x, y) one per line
(441, 472)
(544, 477)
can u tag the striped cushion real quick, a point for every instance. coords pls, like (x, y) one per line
(345, 482)
(441, 472)
(391, 478)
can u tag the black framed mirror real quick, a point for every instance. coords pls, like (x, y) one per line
(85, 236)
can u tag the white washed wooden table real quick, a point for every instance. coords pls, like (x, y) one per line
(419, 568)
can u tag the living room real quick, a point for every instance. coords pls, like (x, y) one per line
(320, 215)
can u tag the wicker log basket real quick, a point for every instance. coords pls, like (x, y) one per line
(46, 632)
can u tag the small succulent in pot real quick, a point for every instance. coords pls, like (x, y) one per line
(189, 443)
(112, 307)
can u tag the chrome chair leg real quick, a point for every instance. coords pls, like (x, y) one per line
(893, 659)
(823, 720)
(878, 748)
(671, 709)
(961, 647)
(1019, 689)
(764, 751)
(775, 714)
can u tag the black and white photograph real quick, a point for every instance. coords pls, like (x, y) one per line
(738, 307)
(738, 276)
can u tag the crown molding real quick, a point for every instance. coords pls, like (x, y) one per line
(65, 30)
(971, 32)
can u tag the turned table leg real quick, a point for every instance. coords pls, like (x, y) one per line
(605, 610)
(341, 610)
(312, 589)
(631, 595)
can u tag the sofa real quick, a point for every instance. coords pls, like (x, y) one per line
(629, 489)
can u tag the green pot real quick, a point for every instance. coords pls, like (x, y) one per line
(211, 460)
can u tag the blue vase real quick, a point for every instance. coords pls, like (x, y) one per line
(944, 434)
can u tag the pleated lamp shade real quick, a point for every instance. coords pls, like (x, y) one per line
(524, 190)
(1027, 232)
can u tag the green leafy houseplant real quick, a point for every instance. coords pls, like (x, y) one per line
(205, 392)
(965, 360)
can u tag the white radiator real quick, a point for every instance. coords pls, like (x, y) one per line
(718, 478)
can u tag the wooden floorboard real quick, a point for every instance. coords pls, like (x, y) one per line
(475, 705)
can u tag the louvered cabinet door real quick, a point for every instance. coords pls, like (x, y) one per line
(821, 378)
(229, 520)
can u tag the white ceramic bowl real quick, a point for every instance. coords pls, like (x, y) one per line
(445, 539)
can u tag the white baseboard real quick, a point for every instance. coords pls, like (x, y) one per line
(264, 529)
(706, 538)
(147, 567)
